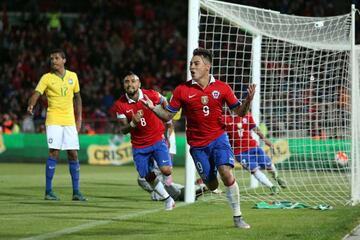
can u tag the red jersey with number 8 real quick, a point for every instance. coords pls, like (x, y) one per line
(150, 129)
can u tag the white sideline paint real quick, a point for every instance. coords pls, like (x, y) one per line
(96, 223)
(354, 234)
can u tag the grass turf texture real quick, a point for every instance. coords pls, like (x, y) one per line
(119, 209)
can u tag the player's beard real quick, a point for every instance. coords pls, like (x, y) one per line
(55, 68)
(131, 91)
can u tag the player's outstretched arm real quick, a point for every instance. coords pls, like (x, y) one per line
(262, 137)
(162, 113)
(32, 102)
(244, 107)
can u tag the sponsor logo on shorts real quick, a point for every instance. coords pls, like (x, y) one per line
(50, 140)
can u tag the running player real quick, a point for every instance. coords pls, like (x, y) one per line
(202, 99)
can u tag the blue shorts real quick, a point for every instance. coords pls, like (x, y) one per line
(207, 159)
(254, 158)
(144, 157)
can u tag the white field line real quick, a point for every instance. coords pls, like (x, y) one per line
(96, 223)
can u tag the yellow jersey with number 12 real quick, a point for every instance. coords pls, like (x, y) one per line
(60, 94)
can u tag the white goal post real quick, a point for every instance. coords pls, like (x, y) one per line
(306, 70)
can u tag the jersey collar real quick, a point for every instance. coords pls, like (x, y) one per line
(212, 79)
(141, 96)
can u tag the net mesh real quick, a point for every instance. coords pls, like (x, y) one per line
(305, 103)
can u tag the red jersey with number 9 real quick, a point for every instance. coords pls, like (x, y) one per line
(150, 129)
(203, 109)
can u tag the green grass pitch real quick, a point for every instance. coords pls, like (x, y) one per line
(119, 209)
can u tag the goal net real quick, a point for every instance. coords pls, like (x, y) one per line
(302, 67)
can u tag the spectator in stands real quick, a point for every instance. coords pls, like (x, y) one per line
(152, 33)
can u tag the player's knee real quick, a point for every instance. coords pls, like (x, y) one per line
(54, 154)
(229, 181)
(72, 155)
(166, 170)
(227, 178)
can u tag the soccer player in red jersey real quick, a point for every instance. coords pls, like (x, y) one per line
(147, 134)
(202, 99)
(247, 151)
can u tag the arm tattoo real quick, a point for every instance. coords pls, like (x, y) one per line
(162, 113)
(244, 108)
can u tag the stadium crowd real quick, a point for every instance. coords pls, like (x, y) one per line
(102, 41)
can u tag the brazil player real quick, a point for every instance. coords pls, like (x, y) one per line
(62, 89)
(202, 99)
(147, 134)
(247, 151)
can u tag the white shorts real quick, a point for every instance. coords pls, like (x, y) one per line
(62, 137)
(172, 142)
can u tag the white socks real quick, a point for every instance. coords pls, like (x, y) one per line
(233, 197)
(159, 188)
(261, 177)
(274, 171)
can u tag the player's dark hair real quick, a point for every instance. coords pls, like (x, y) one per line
(202, 52)
(59, 51)
(129, 73)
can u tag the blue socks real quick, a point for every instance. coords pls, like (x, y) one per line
(74, 168)
(50, 170)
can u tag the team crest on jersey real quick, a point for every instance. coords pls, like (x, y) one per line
(70, 81)
(244, 120)
(140, 112)
(216, 94)
(204, 100)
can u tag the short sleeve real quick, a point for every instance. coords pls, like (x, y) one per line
(154, 96)
(230, 98)
(116, 112)
(42, 85)
(77, 84)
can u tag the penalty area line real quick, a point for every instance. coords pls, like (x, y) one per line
(96, 223)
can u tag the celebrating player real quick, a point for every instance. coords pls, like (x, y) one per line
(62, 89)
(248, 153)
(202, 99)
(147, 134)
